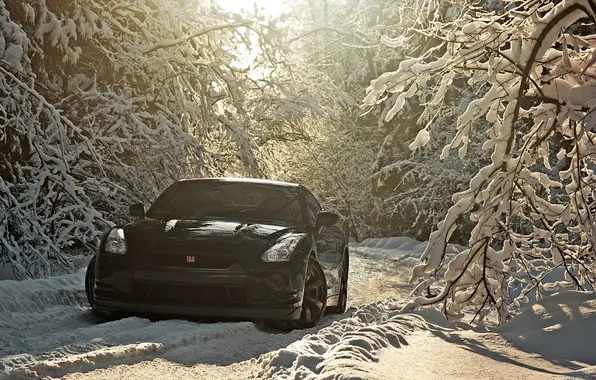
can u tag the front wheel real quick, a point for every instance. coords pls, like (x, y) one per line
(90, 282)
(314, 301)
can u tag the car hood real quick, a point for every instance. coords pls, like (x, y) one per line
(207, 234)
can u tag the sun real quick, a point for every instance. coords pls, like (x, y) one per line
(271, 7)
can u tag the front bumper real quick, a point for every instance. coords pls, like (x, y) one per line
(286, 313)
(269, 292)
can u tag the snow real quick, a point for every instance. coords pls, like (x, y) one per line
(422, 138)
(559, 328)
(343, 344)
(552, 339)
(47, 330)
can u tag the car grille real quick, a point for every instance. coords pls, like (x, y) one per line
(203, 295)
(201, 261)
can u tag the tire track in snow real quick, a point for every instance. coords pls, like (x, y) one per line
(372, 280)
(124, 339)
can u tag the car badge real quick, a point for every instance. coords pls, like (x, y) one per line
(190, 259)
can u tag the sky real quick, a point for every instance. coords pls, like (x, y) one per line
(271, 7)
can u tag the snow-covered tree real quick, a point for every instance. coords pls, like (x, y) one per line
(336, 51)
(44, 200)
(537, 61)
(105, 103)
(411, 189)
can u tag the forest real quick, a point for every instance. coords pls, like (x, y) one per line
(446, 121)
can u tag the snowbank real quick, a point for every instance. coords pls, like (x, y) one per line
(75, 261)
(348, 347)
(561, 327)
(6, 272)
(26, 305)
(401, 251)
(19, 299)
(341, 347)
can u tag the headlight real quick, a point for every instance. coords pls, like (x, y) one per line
(281, 251)
(115, 242)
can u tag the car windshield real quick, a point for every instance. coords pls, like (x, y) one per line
(228, 200)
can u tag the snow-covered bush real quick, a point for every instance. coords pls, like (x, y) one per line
(537, 60)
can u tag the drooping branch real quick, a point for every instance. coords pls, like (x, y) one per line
(528, 211)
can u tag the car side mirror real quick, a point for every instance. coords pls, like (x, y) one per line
(327, 218)
(137, 210)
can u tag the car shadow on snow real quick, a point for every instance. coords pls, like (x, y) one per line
(327, 320)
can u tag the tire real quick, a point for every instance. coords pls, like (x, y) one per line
(89, 282)
(314, 302)
(342, 301)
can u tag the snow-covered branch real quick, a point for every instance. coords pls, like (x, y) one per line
(539, 99)
(167, 43)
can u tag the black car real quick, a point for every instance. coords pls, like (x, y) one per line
(223, 247)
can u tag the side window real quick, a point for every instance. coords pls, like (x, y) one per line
(312, 208)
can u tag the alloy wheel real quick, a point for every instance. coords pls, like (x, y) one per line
(315, 294)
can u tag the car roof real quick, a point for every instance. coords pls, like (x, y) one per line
(243, 180)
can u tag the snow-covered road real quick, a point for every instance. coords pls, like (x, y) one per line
(47, 329)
